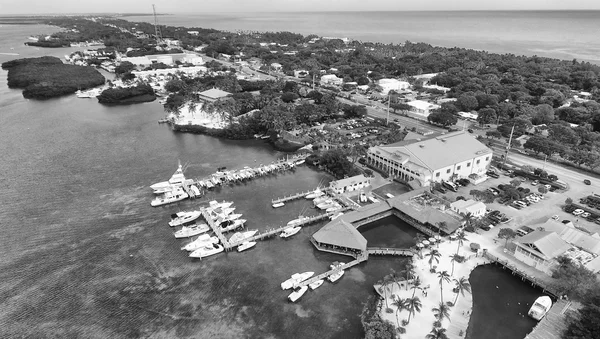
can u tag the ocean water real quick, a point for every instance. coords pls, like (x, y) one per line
(558, 34)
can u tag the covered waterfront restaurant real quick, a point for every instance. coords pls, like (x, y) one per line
(341, 237)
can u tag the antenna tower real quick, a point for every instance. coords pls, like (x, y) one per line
(156, 28)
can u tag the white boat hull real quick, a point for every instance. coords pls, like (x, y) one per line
(288, 232)
(313, 286)
(246, 245)
(294, 296)
(184, 217)
(206, 252)
(335, 277)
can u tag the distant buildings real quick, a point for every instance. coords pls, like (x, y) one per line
(436, 87)
(468, 115)
(167, 59)
(331, 79)
(276, 66)
(388, 85)
(421, 107)
(350, 184)
(454, 155)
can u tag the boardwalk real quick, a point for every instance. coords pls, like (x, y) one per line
(358, 260)
(216, 229)
(553, 324)
(390, 251)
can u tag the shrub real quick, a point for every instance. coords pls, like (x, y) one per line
(401, 330)
(437, 324)
(461, 333)
(404, 322)
(389, 310)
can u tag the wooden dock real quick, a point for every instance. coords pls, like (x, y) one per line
(360, 258)
(216, 229)
(390, 251)
(296, 196)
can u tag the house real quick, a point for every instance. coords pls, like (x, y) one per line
(331, 79)
(422, 107)
(138, 61)
(255, 63)
(193, 59)
(468, 115)
(540, 249)
(276, 66)
(453, 155)
(436, 87)
(354, 183)
(213, 95)
(388, 85)
(301, 73)
(465, 207)
(193, 32)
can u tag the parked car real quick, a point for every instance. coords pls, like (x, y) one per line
(441, 189)
(555, 217)
(520, 203)
(585, 214)
(534, 183)
(578, 211)
(492, 174)
(587, 182)
(464, 182)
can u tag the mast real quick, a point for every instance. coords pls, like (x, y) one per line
(157, 33)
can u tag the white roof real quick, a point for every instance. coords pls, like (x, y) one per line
(468, 205)
(349, 181)
(424, 105)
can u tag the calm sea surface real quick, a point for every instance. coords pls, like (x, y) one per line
(83, 255)
(557, 34)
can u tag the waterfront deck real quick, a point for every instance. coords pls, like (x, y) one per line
(553, 324)
(359, 258)
(390, 251)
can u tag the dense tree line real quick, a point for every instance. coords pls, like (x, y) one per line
(122, 95)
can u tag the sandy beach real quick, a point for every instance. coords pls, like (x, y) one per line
(198, 117)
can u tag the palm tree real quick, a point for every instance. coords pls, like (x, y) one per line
(444, 277)
(441, 312)
(400, 304)
(437, 333)
(413, 305)
(394, 277)
(434, 255)
(462, 285)
(455, 258)
(416, 285)
(419, 238)
(409, 268)
(461, 237)
(384, 282)
(468, 218)
(442, 225)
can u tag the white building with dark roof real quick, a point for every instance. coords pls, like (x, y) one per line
(354, 183)
(449, 156)
(539, 249)
(421, 107)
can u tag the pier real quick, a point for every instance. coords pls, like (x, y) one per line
(390, 251)
(296, 196)
(360, 258)
(215, 229)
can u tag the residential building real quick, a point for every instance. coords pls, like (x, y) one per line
(213, 94)
(421, 107)
(439, 88)
(540, 249)
(354, 183)
(276, 66)
(468, 115)
(388, 85)
(331, 79)
(449, 156)
(472, 207)
(301, 73)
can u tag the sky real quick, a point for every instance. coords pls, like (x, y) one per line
(203, 6)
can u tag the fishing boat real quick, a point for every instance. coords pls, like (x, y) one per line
(169, 197)
(279, 204)
(190, 231)
(207, 251)
(297, 221)
(325, 205)
(239, 236)
(540, 307)
(296, 278)
(200, 242)
(231, 217)
(177, 179)
(314, 194)
(320, 200)
(215, 204)
(294, 296)
(246, 245)
(314, 285)
(181, 218)
(232, 225)
(288, 232)
(336, 276)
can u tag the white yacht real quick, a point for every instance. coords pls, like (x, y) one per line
(246, 245)
(190, 231)
(169, 197)
(207, 251)
(239, 236)
(213, 204)
(288, 232)
(232, 225)
(336, 264)
(279, 204)
(315, 194)
(181, 218)
(297, 221)
(325, 205)
(294, 296)
(313, 286)
(201, 242)
(335, 207)
(320, 200)
(540, 307)
(230, 217)
(336, 276)
(296, 278)
(177, 179)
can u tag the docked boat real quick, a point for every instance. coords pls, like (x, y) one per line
(279, 204)
(239, 236)
(299, 162)
(335, 207)
(213, 204)
(207, 251)
(336, 264)
(336, 276)
(230, 217)
(232, 225)
(320, 200)
(335, 216)
(315, 194)
(181, 218)
(202, 241)
(190, 231)
(540, 307)
(209, 184)
(169, 197)
(314, 285)
(297, 221)
(177, 179)
(294, 296)
(296, 278)
(246, 245)
(288, 232)
(325, 205)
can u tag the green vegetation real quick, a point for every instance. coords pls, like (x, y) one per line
(50, 43)
(373, 326)
(130, 95)
(584, 323)
(574, 280)
(48, 77)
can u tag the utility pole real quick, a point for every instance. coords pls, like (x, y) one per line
(387, 120)
(157, 33)
(545, 158)
(508, 146)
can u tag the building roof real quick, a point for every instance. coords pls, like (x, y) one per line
(341, 233)
(573, 236)
(424, 105)
(214, 93)
(438, 152)
(469, 205)
(547, 244)
(348, 181)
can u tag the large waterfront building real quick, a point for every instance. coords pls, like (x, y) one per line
(540, 249)
(446, 157)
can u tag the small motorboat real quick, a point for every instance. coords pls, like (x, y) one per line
(239, 236)
(295, 279)
(169, 197)
(540, 307)
(181, 218)
(200, 242)
(190, 231)
(279, 204)
(288, 232)
(314, 194)
(314, 285)
(246, 245)
(297, 221)
(294, 296)
(336, 264)
(207, 251)
(336, 276)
